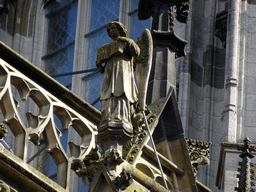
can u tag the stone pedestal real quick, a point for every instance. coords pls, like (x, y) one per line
(114, 135)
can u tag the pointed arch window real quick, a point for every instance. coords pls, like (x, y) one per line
(61, 40)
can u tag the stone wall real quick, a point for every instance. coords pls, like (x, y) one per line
(216, 83)
(201, 82)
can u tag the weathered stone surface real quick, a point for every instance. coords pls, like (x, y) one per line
(196, 74)
(119, 96)
(36, 124)
(199, 153)
(22, 177)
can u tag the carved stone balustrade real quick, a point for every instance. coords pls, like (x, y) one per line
(51, 99)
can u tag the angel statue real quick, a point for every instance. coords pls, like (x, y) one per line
(117, 61)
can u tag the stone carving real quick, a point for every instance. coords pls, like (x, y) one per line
(88, 166)
(113, 159)
(118, 86)
(182, 10)
(140, 134)
(86, 172)
(93, 156)
(4, 187)
(199, 152)
(123, 181)
(3, 131)
(118, 91)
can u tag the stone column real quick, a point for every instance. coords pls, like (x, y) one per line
(232, 61)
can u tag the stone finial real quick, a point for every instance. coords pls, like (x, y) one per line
(247, 169)
(199, 152)
(246, 148)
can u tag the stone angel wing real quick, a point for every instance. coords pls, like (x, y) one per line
(143, 65)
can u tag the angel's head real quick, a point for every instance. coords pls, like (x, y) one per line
(116, 29)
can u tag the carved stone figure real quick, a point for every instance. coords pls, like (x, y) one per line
(118, 87)
(117, 61)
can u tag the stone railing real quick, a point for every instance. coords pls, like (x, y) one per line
(49, 99)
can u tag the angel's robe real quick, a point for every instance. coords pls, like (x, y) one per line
(118, 86)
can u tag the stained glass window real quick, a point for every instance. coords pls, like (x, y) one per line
(61, 40)
(102, 12)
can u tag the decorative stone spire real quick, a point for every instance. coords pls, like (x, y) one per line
(245, 174)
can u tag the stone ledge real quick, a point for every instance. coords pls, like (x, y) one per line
(226, 147)
(23, 177)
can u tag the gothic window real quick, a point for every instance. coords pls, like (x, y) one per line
(61, 41)
(58, 61)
